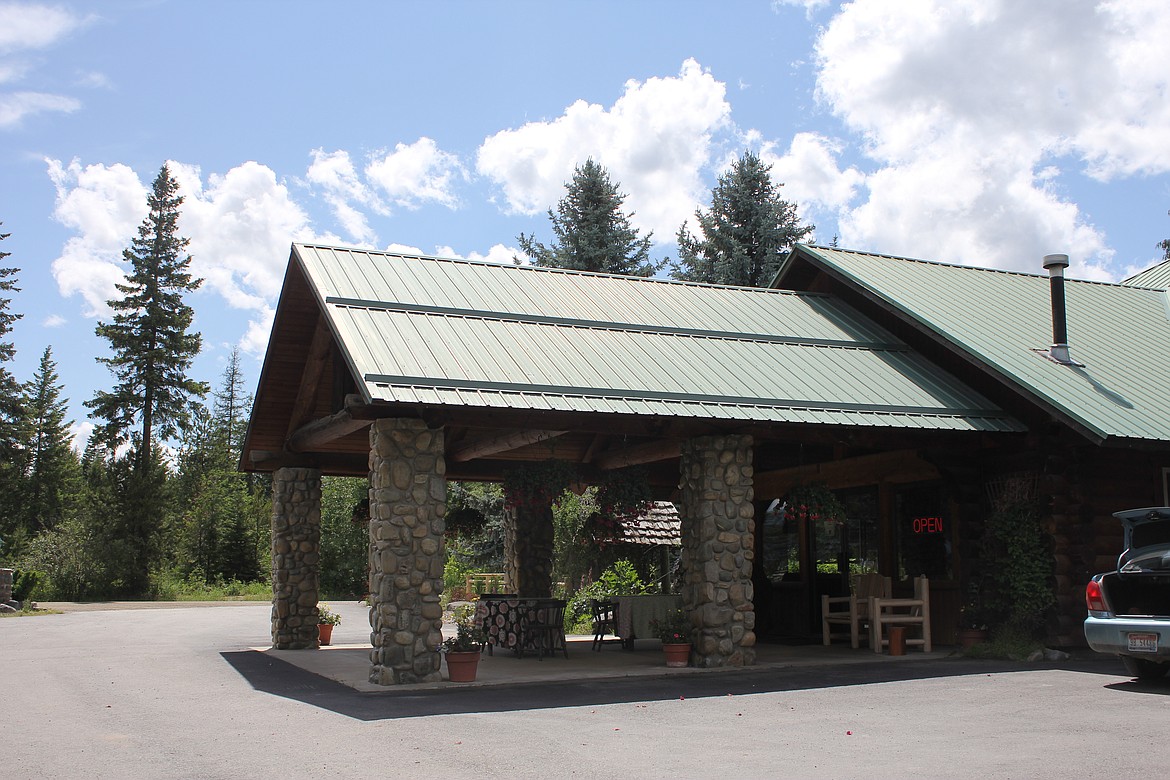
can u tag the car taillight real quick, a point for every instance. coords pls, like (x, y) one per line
(1095, 598)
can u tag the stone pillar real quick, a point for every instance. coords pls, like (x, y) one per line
(296, 557)
(528, 550)
(718, 532)
(408, 501)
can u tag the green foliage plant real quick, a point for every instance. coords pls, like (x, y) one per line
(538, 485)
(620, 579)
(469, 636)
(1015, 551)
(326, 616)
(674, 629)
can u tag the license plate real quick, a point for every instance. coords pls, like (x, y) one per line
(1143, 643)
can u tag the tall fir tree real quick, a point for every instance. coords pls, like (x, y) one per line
(592, 232)
(152, 352)
(149, 335)
(11, 452)
(52, 470)
(745, 234)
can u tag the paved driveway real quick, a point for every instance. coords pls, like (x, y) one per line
(176, 693)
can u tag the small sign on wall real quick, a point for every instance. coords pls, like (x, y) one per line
(927, 525)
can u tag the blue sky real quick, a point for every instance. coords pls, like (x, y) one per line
(985, 132)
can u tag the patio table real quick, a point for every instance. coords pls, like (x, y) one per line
(504, 618)
(635, 615)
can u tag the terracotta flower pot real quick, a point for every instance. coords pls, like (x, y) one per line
(325, 632)
(677, 655)
(462, 666)
(969, 637)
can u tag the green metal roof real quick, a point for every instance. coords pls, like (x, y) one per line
(1157, 277)
(1002, 321)
(432, 331)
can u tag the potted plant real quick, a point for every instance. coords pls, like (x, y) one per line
(973, 626)
(463, 650)
(326, 620)
(675, 632)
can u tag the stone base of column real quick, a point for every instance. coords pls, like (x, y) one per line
(408, 501)
(296, 557)
(718, 539)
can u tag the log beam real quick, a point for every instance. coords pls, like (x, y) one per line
(490, 445)
(650, 452)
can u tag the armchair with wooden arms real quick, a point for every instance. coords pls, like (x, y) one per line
(914, 613)
(852, 610)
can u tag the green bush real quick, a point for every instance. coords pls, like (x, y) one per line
(24, 584)
(621, 579)
(1015, 549)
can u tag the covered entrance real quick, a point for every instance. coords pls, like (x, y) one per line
(414, 371)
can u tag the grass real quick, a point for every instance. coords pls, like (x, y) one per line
(170, 587)
(1006, 643)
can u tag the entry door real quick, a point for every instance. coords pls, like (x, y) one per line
(842, 550)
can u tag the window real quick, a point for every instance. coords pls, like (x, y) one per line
(922, 533)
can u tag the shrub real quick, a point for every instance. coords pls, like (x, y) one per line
(621, 579)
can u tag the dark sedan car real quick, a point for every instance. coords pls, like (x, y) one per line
(1129, 608)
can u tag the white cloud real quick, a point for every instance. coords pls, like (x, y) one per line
(54, 321)
(104, 205)
(34, 26)
(408, 177)
(15, 106)
(334, 173)
(255, 340)
(497, 254)
(970, 109)
(655, 141)
(240, 226)
(26, 27)
(811, 174)
(417, 173)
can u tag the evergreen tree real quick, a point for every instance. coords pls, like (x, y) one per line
(152, 351)
(218, 526)
(152, 348)
(52, 471)
(592, 232)
(1164, 245)
(11, 453)
(745, 234)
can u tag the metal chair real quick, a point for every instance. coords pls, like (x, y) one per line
(603, 622)
(547, 631)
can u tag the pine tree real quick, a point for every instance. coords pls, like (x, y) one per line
(52, 471)
(152, 348)
(592, 232)
(152, 351)
(746, 233)
(11, 453)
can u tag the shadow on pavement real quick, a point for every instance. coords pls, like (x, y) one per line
(276, 677)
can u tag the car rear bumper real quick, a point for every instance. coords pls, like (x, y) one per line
(1111, 635)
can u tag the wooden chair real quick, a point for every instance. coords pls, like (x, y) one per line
(603, 622)
(547, 631)
(914, 613)
(852, 610)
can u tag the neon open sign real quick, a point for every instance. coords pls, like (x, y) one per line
(928, 525)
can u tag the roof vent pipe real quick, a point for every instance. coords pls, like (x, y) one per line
(1055, 265)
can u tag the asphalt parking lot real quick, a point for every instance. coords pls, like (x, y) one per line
(184, 693)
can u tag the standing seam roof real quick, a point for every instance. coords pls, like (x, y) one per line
(424, 330)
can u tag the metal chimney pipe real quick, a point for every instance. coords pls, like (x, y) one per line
(1055, 265)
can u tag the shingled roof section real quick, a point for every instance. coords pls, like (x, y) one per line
(659, 525)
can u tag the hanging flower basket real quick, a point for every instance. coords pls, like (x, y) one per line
(623, 495)
(537, 485)
(814, 502)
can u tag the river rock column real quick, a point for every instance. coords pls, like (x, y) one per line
(528, 549)
(718, 532)
(408, 503)
(296, 557)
